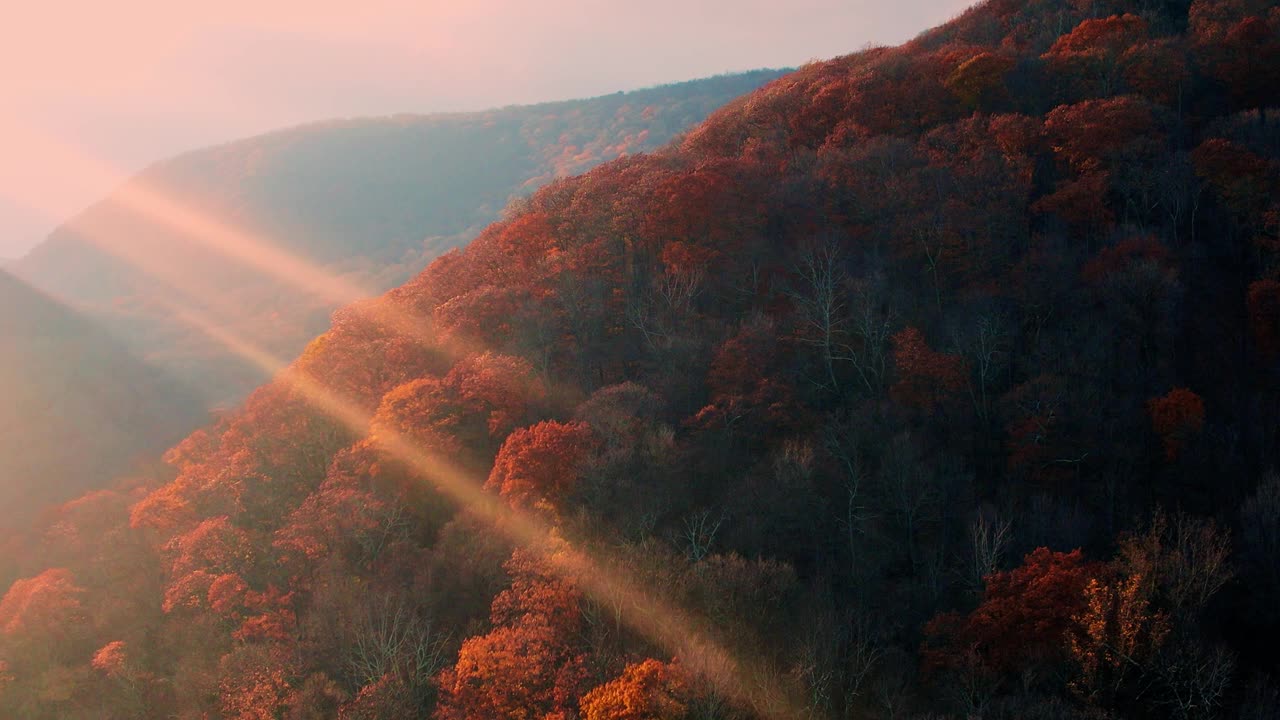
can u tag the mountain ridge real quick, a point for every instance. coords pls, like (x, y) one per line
(372, 198)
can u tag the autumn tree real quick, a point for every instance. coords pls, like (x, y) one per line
(623, 479)
(268, 617)
(1177, 417)
(1026, 618)
(111, 658)
(1238, 44)
(982, 171)
(164, 510)
(927, 379)
(1186, 561)
(42, 604)
(1120, 634)
(538, 466)
(369, 349)
(1044, 433)
(481, 399)
(620, 415)
(1244, 181)
(1092, 52)
(197, 558)
(363, 507)
(254, 682)
(1080, 202)
(747, 393)
(41, 621)
(1091, 134)
(318, 697)
(528, 665)
(647, 690)
(663, 311)
(979, 81)
(385, 698)
(484, 317)
(1140, 642)
(1159, 70)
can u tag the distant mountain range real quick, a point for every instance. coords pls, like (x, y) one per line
(372, 199)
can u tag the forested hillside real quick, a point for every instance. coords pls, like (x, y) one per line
(930, 381)
(78, 409)
(372, 199)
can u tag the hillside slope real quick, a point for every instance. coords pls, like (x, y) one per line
(372, 199)
(937, 380)
(78, 409)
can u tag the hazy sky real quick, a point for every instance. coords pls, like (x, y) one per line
(132, 81)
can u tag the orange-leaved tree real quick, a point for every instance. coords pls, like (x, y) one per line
(647, 690)
(530, 665)
(539, 465)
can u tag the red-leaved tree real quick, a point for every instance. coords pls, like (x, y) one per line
(1176, 417)
(1026, 616)
(539, 465)
(647, 690)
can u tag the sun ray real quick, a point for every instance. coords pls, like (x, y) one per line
(643, 611)
(253, 251)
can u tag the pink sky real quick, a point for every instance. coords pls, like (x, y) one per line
(132, 81)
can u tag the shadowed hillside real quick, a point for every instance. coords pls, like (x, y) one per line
(79, 410)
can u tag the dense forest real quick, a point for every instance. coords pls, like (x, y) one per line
(372, 199)
(78, 409)
(932, 381)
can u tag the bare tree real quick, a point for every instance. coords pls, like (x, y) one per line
(861, 659)
(816, 670)
(1178, 193)
(911, 489)
(1194, 679)
(840, 317)
(989, 538)
(700, 534)
(984, 345)
(838, 655)
(1261, 698)
(871, 328)
(841, 442)
(892, 683)
(1199, 562)
(679, 288)
(643, 315)
(392, 637)
(1187, 558)
(392, 526)
(793, 462)
(819, 299)
(1260, 523)
(664, 304)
